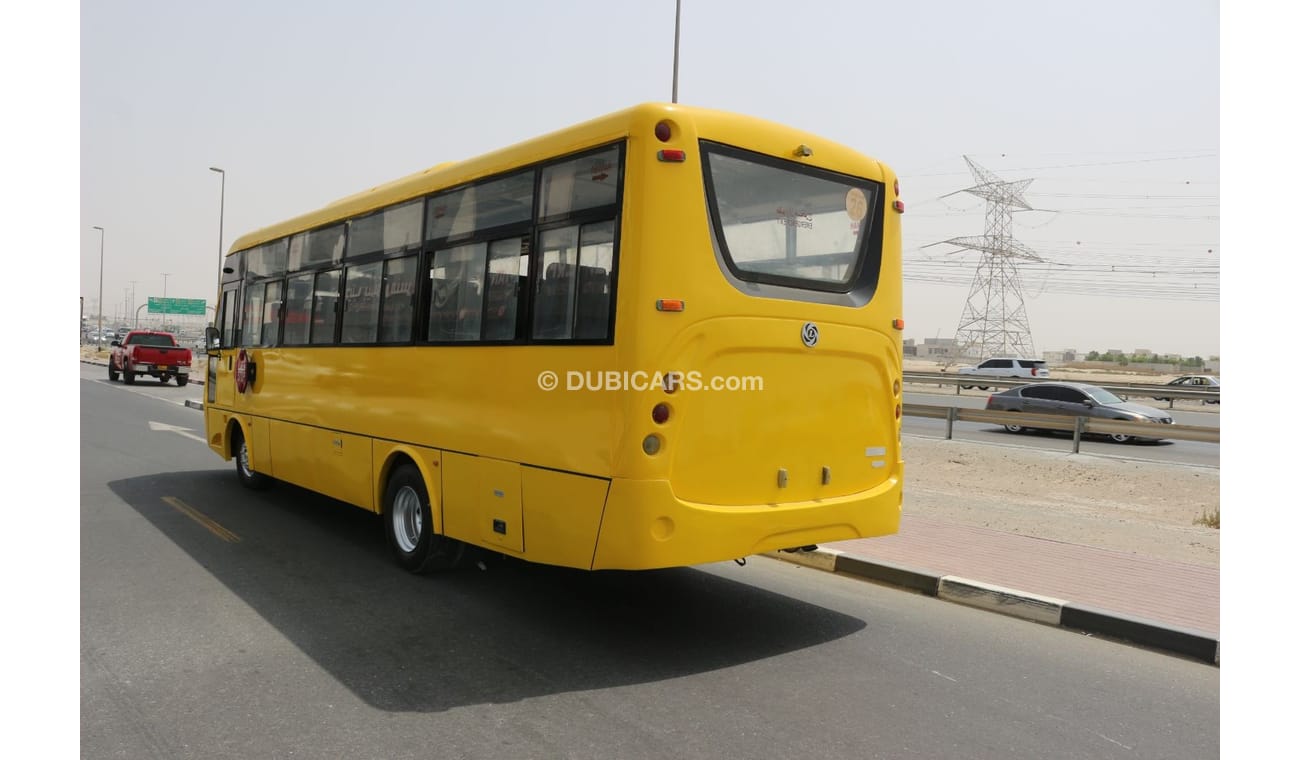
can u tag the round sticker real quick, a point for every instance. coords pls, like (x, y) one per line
(241, 371)
(855, 202)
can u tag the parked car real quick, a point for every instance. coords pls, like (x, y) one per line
(1005, 367)
(1195, 382)
(149, 352)
(1076, 400)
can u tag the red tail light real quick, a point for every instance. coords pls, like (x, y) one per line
(1033, 371)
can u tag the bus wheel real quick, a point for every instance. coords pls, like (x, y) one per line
(250, 479)
(408, 523)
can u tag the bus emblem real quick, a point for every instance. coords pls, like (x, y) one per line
(810, 334)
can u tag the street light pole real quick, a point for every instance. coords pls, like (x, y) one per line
(99, 336)
(164, 303)
(221, 225)
(677, 36)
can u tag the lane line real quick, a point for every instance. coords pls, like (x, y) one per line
(207, 522)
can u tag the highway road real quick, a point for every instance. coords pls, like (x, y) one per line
(223, 623)
(1174, 452)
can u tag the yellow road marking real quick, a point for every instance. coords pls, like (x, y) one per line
(212, 525)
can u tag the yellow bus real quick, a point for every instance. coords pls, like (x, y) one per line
(663, 337)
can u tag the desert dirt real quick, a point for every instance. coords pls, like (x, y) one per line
(1116, 501)
(1140, 507)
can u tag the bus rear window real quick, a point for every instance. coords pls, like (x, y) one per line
(786, 224)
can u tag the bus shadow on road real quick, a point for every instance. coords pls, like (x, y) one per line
(502, 630)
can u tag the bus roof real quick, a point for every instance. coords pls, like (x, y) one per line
(571, 139)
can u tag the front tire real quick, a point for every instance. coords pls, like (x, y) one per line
(408, 524)
(243, 468)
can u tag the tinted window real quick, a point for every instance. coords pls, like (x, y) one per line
(1037, 391)
(786, 223)
(324, 311)
(590, 181)
(297, 310)
(456, 293)
(393, 229)
(398, 317)
(266, 260)
(463, 212)
(271, 314)
(253, 299)
(1072, 396)
(361, 303)
(507, 269)
(323, 246)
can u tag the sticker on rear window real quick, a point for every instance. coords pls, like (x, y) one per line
(855, 202)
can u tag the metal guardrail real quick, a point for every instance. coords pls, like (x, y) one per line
(1124, 390)
(1080, 426)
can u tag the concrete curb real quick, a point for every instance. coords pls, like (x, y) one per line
(1061, 613)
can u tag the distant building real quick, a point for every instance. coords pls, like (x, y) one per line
(937, 348)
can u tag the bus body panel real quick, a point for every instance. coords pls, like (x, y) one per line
(820, 420)
(481, 502)
(562, 515)
(647, 526)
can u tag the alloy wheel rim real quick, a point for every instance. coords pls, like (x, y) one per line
(408, 518)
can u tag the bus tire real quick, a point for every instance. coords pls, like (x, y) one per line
(408, 524)
(243, 468)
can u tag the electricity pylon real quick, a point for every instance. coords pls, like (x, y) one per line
(994, 322)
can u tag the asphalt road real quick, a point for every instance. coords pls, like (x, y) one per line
(222, 623)
(1173, 452)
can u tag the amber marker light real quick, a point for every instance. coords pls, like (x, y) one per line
(898, 323)
(670, 304)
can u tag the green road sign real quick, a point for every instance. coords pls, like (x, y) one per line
(177, 306)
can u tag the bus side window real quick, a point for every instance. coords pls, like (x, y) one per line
(554, 299)
(593, 303)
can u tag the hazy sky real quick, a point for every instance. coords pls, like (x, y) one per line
(1112, 108)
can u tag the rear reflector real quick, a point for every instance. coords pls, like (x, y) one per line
(898, 205)
(672, 154)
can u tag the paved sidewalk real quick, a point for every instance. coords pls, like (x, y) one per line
(1102, 590)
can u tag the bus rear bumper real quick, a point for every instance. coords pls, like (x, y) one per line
(645, 526)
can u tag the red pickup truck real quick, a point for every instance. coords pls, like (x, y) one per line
(146, 352)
